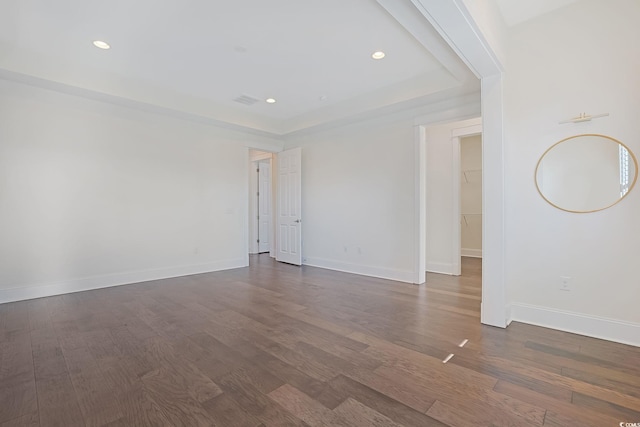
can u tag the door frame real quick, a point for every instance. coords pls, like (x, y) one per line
(269, 178)
(420, 206)
(459, 28)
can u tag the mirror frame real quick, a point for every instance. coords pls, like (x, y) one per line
(635, 178)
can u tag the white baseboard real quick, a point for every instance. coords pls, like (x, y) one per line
(364, 270)
(591, 326)
(472, 253)
(440, 268)
(97, 282)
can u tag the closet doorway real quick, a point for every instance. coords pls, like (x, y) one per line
(261, 203)
(471, 196)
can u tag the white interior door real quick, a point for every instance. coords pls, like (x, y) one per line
(289, 206)
(264, 206)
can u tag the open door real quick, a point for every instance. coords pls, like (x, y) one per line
(289, 224)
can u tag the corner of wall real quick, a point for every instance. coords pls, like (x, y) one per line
(509, 314)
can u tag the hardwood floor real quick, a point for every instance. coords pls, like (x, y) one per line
(278, 345)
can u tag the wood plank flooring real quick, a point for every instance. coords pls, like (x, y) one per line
(278, 345)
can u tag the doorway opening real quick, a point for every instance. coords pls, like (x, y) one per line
(261, 230)
(275, 204)
(466, 141)
(446, 213)
(470, 203)
(453, 211)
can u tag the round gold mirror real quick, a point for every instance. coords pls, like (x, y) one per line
(586, 173)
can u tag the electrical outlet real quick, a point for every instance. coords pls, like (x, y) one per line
(565, 283)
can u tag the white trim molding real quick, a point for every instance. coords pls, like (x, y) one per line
(577, 323)
(406, 276)
(106, 281)
(471, 253)
(441, 268)
(262, 155)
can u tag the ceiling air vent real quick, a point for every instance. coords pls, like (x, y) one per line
(246, 100)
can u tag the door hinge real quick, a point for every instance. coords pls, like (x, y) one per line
(258, 240)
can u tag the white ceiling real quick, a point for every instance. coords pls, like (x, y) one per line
(515, 12)
(197, 56)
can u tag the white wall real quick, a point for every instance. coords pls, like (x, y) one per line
(581, 58)
(94, 195)
(359, 191)
(357, 199)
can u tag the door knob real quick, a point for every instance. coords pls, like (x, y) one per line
(298, 221)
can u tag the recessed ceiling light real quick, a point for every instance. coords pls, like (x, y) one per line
(378, 55)
(270, 101)
(100, 44)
